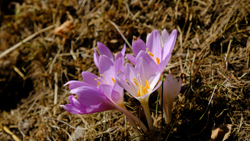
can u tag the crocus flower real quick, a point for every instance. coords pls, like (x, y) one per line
(104, 50)
(171, 88)
(97, 94)
(104, 90)
(140, 82)
(158, 46)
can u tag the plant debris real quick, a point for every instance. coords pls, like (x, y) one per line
(38, 56)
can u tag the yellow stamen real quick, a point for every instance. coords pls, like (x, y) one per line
(147, 84)
(101, 74)
(157, 60)
(145, 90)
(113, 80)
(97, 82)
(141, 91)
(136, 82)
(150, 53)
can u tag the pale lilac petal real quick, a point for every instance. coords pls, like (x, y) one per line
(130, 73)
(171, 88)
(169, 44)
(164, 36)
(138, 45)
(147, 37)
(104, 50)
(168, 92)
(100, 108)
(123, 50)
(155, 80)
(72, 109)
(72, 84)
(106, 89)
(164, 63)
(148, 59)
(117, 93)
(119, 65)
(90, 78)
(118, 56)
(154, 43)
(96, 59)
(122, 82)
(88, 95)
(131, 58)
(144, 70)
(107, 68)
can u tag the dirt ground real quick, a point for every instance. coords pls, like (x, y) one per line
(45, 43)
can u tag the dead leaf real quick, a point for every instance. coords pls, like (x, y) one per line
(78, 133)
(65, 28)
(221, 133)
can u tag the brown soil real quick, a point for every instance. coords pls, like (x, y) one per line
(32, 75)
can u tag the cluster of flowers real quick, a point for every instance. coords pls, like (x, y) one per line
(106, 92)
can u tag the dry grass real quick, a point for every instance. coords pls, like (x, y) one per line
(211, 50)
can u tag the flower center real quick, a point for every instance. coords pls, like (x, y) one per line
(102, 80)
(142, 90)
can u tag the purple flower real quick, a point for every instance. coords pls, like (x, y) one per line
(171, 88)
(158, 46)
(104, 51)
(97, 94)
(140, 81)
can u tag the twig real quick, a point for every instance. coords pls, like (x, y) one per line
(19, 72)
(241, 120)
(54, 60)
(117, 28)
(24, 41)
(56, 91)
(209, 101)
(228, 50)
(12, 134)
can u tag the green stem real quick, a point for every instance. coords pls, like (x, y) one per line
(148, 115)
(168, 112)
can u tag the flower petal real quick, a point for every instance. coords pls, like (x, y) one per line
(117, 94)
(106, 89)
(131, 58)
(89, 96)
(148, 59)
(144, 70)
(154, 43)
(70, 108)
(107, 68)
(96, 59)
(122, 82)
(138, 45)
(171, 88)
(164, 63)
(169, 44)
(72, 84)
(130, 73)
(89, 78)
(164, 36)
(104, 50)
(119, 65)
(123, 50)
